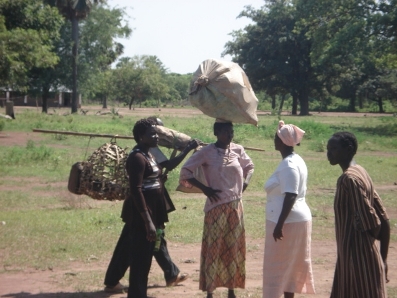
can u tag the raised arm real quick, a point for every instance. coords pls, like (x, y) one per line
(174, 162)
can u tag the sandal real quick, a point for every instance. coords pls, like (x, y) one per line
(119, 288)
(178, 279)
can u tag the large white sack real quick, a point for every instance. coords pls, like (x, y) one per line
(171, 138)
(221, 89)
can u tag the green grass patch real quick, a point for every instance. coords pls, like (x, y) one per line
(55, 229)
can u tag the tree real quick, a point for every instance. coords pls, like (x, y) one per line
(74, 11)
(343, 45)
(98, 50)
(386, 23)
(139, 79)
(43, 79)
(27, 29)
(310, 47)
(274, 54)
(179, 85)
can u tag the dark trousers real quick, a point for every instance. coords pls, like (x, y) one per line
(140, 261)
(120, 260)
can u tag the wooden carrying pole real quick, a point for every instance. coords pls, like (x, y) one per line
(61, 132)
(108, 136)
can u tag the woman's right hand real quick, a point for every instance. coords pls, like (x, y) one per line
(278, 232)
(211, 194)
(150, 231)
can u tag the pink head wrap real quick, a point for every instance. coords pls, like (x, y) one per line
(290, 134)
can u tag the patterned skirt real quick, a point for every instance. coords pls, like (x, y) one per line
(223, 248)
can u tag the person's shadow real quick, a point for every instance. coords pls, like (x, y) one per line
(98, 294)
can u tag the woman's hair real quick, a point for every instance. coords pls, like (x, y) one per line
(218, 126)
(346, 139)
(140, 128)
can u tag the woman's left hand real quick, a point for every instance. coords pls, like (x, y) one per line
(193, 144)
(278, 233)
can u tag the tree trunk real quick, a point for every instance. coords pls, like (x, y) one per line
(104, 103)
(380, 105)
(294, 103)
(75, 38)
(44, 97)
(352, 103)
(273, 97)
(304, 102)
(360, 101)
(281, 103)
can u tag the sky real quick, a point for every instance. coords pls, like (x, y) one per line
(182, 33)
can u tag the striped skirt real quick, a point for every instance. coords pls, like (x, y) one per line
(223, 248)
(287, 265)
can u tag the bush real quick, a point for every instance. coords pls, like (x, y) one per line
(315, 130)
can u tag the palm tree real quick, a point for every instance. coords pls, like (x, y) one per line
(74, 11)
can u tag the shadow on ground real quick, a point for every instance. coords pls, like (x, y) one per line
(99, 294)
(94, 294)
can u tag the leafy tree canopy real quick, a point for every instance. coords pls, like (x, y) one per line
(27, 29)
(319, 48)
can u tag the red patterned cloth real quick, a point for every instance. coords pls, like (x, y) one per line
(223, 248)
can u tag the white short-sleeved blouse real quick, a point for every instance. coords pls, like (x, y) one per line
(290, 176)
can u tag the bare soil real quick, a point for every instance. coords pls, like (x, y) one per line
(50, 283)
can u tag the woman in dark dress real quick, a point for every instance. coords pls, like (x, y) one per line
(144, 210)
(119, 262)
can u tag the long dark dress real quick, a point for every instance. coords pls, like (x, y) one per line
(359, 271)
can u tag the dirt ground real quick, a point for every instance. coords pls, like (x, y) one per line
(33, 283)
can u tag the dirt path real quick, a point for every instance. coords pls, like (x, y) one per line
(45, 284)
(33, 283)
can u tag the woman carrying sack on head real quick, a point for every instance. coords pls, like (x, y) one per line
(227, 169)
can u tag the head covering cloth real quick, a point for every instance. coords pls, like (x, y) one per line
(289, 134)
